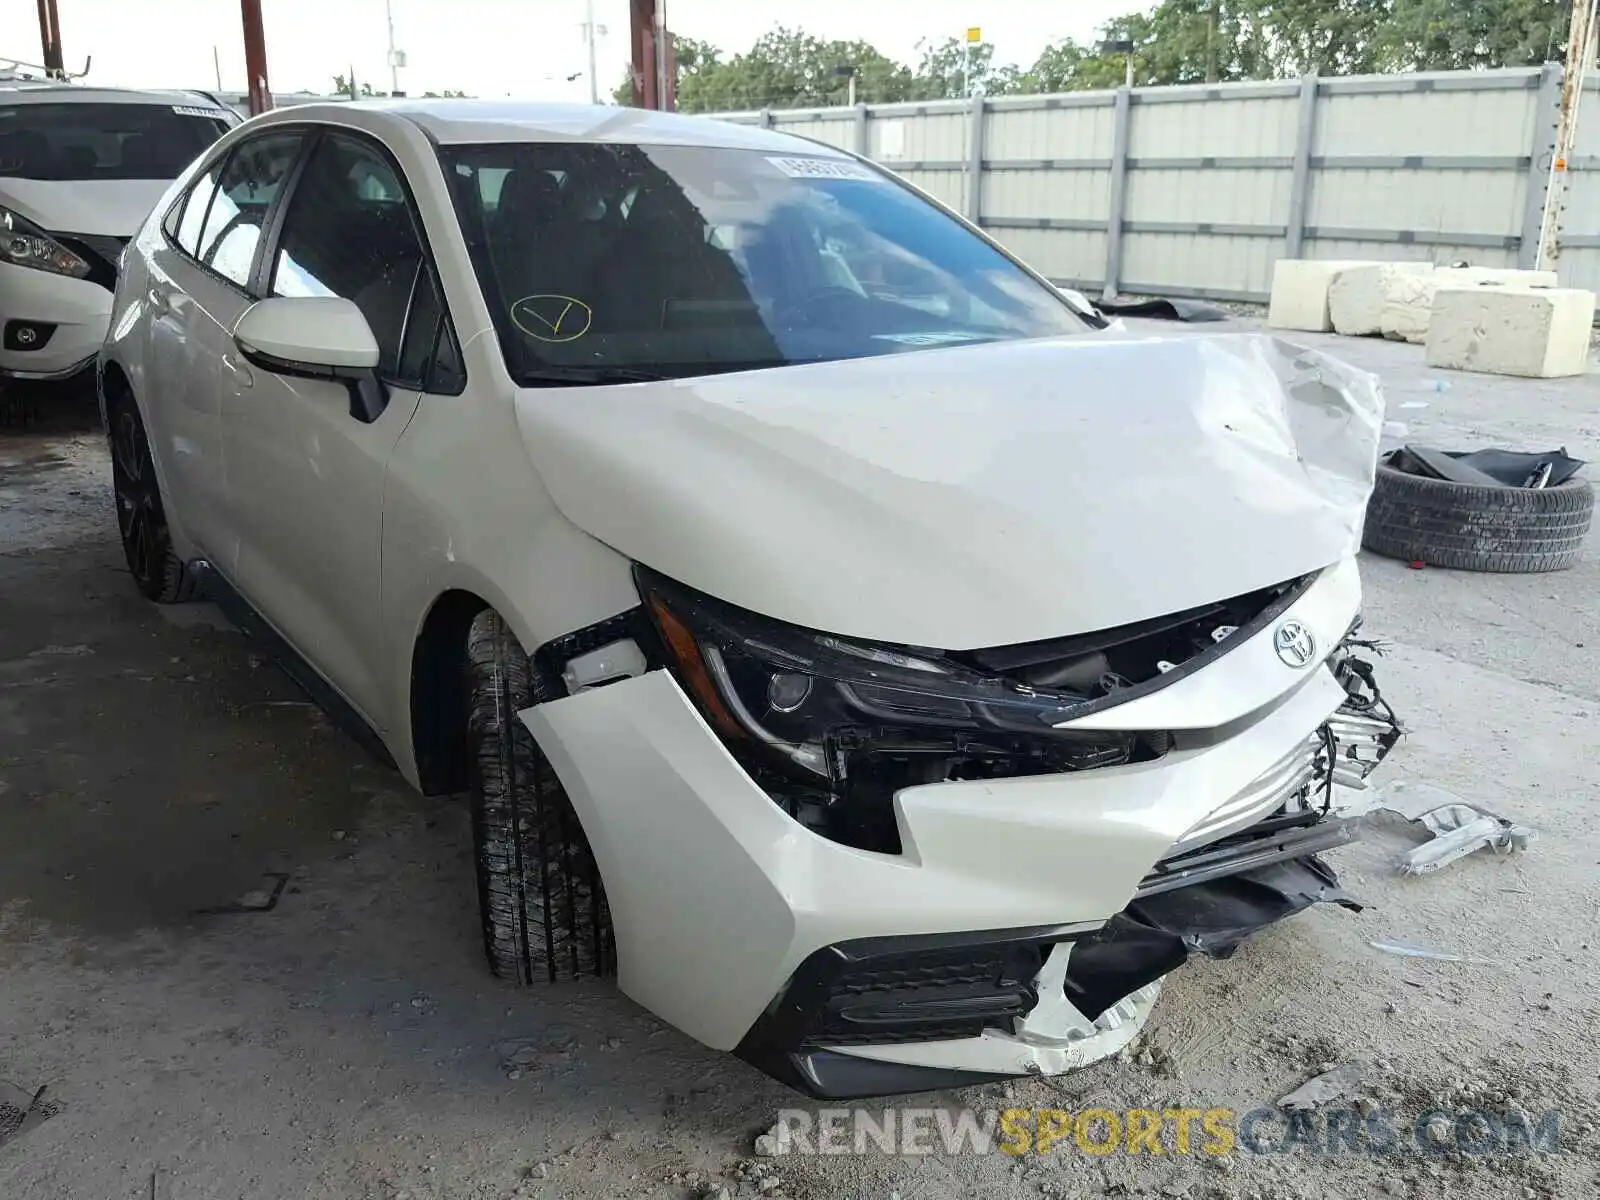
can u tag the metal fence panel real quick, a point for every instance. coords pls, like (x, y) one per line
(1022, 135)
(1435, 201)
(835, 127)
(1236, 123)
(1198, 190)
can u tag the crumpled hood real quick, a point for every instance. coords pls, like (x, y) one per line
(103, 207)
(976, 496)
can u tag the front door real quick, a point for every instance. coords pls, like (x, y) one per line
(305, 475)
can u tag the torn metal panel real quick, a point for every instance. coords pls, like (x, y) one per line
(1458, 827)
(1018, 491)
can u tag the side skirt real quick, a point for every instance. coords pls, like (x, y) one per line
(254, 626)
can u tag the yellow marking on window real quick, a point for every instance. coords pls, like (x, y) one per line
(552, 317)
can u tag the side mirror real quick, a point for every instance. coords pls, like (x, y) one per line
(315, 337)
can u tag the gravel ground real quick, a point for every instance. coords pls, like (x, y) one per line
(348, 1043)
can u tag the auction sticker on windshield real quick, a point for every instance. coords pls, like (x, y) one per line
(825, 168)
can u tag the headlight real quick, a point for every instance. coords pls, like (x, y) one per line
(24, 244)
(833, 727)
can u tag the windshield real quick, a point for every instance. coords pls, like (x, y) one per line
(82, 142)
(677, 260)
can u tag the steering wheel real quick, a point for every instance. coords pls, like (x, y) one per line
(804, 310)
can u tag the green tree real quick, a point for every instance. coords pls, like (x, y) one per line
(951, 69)
(1198, 41)
(1330, 37)
(447, 94)
(692, 56)
(786, 68)
(1436, 35)
(341, 87)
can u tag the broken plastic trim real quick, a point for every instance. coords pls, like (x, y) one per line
(1157, 933)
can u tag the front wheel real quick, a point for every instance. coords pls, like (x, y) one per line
(543, 907)
(157, 570)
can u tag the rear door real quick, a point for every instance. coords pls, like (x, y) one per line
(305, 476)
(198, 289)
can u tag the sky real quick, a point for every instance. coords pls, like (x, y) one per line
(528, 49)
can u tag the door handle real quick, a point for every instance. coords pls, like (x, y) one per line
(240, 370)
(160, 302)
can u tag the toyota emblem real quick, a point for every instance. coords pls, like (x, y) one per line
(1294, 644)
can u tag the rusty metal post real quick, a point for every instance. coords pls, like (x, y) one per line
(50, 39)
(1579, 40)
(255, 57)
(642, 31)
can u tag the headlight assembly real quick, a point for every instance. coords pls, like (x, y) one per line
(24, 244)
(833, 727)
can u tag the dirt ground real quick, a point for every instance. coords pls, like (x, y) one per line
(349, 1043)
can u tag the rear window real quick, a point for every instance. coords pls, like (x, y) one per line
(85, 142)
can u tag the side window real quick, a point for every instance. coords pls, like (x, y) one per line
(490, 181)
(250, 181)
(350, 232)
(192, 211)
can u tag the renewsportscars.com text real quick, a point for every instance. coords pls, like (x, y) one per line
(1169, 1131)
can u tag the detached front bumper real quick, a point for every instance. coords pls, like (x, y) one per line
(1027, 921)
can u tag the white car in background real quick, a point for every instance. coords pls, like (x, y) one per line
(889, 671)
(80, 169)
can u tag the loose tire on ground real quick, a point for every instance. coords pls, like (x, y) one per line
(543, 907)
(157, 571)
(1455, 525)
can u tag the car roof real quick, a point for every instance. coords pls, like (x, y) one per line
(29, 91)
(470, 122)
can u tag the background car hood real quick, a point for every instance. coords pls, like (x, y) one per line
(976, 496)
(108, 207)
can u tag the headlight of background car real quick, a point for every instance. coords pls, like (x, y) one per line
(24, 244)
(831, 727)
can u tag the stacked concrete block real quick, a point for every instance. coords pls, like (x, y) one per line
(1538, 332)
(1300, 292)
(1357, 295)
(1408, 297)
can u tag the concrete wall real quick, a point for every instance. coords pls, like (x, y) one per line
(1196, 191)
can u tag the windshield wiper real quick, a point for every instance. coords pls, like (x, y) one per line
(542, 376)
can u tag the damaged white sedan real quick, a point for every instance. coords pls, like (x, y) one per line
(886, 670)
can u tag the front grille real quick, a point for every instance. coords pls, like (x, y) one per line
(1112, 666)
(1284, 783)
(1274, 840)
(100, 251)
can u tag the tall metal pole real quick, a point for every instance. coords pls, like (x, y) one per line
(394, 61)
(255, 57)
(1579, 40)
(50, 39)
(663, 58)
(588, 36)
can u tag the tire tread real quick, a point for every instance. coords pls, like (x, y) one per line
(543, 909)
(1469, 528)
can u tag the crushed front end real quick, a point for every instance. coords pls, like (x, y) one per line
(871, 869)
(890, 1015)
